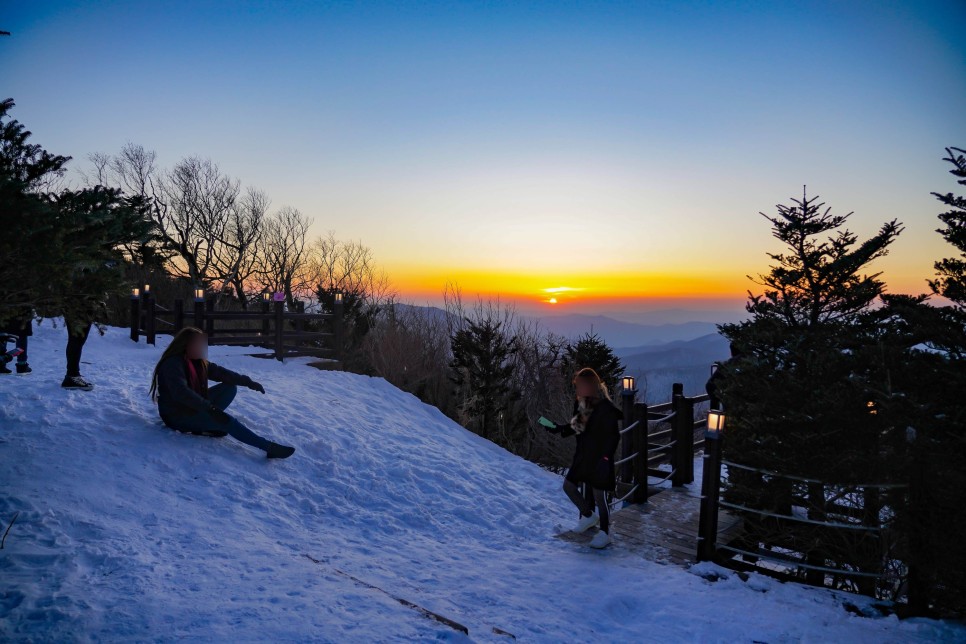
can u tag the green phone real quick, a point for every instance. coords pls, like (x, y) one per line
(546, 422)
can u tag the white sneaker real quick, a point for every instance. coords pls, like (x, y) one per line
(600, 540)
(586, 523)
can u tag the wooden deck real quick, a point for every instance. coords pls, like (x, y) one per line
(665, 529)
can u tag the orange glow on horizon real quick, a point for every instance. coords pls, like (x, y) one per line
(572, 289)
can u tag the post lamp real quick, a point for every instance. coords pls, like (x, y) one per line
(200, 308)
(710, 486)
(628, 439)
(337, 325)
(716, 422)
(147, 289)
(135, 314)
(266, 297)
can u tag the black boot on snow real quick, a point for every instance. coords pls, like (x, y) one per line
(279, 451)
(23, 367)
(76, 382)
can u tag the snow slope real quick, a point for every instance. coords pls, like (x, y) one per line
(129, 531)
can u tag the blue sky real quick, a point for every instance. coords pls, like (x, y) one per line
(525, 143)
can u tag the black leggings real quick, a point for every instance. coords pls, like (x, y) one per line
(75, 345)
(586, 501)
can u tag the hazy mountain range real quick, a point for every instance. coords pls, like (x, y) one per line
(658, 355)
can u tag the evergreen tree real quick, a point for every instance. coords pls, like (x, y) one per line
(951, 272)
(29, 238)
(797, 396)
(61, 250)
(801, 392)
(590, 351)
(927, 401)
(481, 369)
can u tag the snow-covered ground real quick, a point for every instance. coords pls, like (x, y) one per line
(129, 531)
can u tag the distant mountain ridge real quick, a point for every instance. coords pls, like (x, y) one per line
(616, 333)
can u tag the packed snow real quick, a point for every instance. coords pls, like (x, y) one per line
(130, 531)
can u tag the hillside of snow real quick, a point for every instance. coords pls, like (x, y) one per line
(130, 531)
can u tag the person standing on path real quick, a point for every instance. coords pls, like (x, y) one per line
(595, 423)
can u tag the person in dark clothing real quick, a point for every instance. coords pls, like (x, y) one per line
(77, 332)
(713, 386)
(22, 328)
(187, 404)
(595, 423)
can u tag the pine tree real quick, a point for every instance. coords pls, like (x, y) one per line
(62, 250)
(28, 228)
(951, 272)
(808, 366)
(798, 394)
(482, 370)
(589, 350)
(928, 398)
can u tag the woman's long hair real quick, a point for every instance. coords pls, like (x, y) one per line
(178, 347)
(589, 374)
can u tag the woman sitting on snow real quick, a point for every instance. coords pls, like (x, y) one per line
(185, 403)
(595, 424)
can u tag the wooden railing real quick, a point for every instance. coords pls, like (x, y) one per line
(802, 529)
(657, 435)
(272, 327)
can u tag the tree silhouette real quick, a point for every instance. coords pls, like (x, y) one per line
(589, 350)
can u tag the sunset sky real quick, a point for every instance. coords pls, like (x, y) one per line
(609, 156)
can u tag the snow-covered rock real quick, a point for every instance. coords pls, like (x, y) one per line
(129, 531)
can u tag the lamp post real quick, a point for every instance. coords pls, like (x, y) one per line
(266, 312)
(710, 485)
(135, 314)
(337, 326)
(628, 392)
(200, 308)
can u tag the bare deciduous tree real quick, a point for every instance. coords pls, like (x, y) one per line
(239, 251)
(283, 259)
(194, 217)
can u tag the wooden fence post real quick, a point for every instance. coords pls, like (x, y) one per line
(209, 321)
(627, 440)
(279, 330)
(337, 327)
(817, 512)
(918, 595)
(639, 445)
(710, 493)
(682, 454)
(135, 316)
(266, 321)
(178, 315)
(149, 313)
(677, 423)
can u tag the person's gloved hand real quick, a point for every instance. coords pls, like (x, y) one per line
(219, 415)
(256, 387)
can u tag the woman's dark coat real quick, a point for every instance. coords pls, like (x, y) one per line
(599, 439)
(176, 398)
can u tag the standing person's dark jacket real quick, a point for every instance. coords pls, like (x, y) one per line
(598, 440)
(21, 324)
(177, 398)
